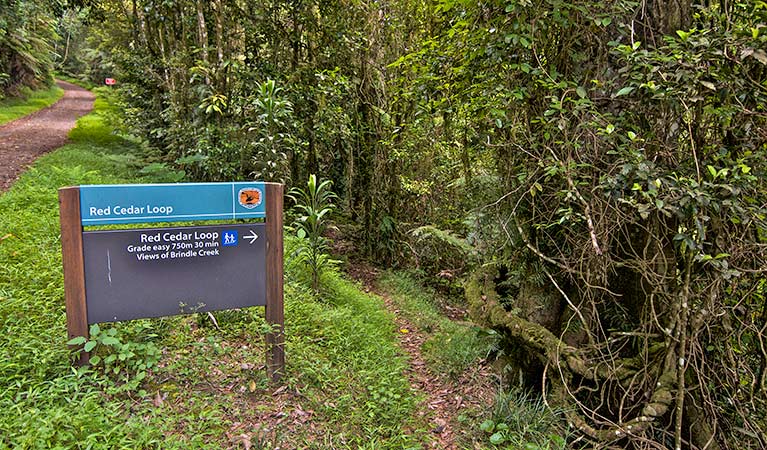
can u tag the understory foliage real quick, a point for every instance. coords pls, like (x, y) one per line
(40, 36)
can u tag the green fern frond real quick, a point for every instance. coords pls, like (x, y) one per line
(443, 236)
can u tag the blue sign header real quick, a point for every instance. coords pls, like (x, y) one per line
(142, 203)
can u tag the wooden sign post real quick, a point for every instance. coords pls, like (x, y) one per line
(117, 275)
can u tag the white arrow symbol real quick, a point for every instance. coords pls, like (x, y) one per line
(252, 236)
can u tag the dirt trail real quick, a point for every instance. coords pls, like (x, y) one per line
(444, 398)
(24, 140)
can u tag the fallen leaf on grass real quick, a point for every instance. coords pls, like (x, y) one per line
(279, 390)
(404, 330)
(158, 399)
(440, 426)
(246, 441)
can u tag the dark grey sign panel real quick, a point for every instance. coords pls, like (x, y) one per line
(133, 274)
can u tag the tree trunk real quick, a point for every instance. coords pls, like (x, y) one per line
(202, 35)
(219, 32)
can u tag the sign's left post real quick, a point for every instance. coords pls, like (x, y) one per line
(74, 271)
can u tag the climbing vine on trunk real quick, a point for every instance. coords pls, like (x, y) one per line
(631, 139)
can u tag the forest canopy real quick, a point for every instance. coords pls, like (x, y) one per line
(593, 171)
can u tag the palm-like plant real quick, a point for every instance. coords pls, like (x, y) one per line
(272, 125)
(314, 204)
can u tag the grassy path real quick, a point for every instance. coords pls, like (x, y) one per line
(444, 362)
(39, 390)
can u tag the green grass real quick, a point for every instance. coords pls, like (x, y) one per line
(205, 386)
(31, 101)
(43, 402)
(521, 419)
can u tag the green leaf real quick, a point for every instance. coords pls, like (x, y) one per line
(95, 360)
(625, 91)
(487, 426)
(497, 438)
(79, 340)
(90, 345)
(193, 158)
(581, 92)
(559, 441)
(95, 329)
(110, 341)
(535, 187)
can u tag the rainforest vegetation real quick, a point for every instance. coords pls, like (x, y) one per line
(589, 176)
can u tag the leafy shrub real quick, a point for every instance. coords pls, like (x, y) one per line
(123, 358)
(313, 204)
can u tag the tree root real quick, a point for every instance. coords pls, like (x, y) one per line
(570, 362)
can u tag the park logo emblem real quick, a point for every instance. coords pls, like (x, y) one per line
(249, 197)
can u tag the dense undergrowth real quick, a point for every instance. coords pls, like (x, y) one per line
(182, 382)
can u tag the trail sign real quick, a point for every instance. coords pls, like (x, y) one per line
(154, 272)
(115, 275)
(145, 203)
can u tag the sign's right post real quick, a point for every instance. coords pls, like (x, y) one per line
(275, 312)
